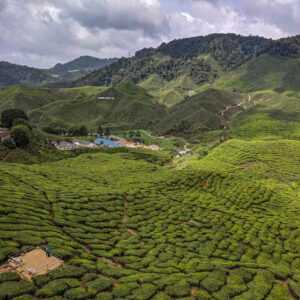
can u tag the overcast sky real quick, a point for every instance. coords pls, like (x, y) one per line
(43, 32)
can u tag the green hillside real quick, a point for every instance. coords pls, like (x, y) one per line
(132, 106)
(12, 74)
(216, 217)
(264, 72)
(199, 114)
(274, 115)
(177, 69)
(225, 228)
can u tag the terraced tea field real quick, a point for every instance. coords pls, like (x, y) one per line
(226, 227)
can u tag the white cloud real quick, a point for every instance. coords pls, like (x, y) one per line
(42, 32)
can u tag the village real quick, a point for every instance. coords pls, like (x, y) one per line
(108, 142)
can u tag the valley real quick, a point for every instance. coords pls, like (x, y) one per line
(211, 212)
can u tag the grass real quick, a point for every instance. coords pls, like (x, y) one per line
(133, 107)
(169, 93)
(275, 115)
(130, 226)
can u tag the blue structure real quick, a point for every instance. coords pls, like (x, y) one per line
(106, 142)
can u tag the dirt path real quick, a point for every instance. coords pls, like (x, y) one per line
(231, 109)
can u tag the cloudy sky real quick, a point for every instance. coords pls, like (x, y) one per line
(43, 32)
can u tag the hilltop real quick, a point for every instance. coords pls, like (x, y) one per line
(79, 67)
(11, 74)
(175, 70)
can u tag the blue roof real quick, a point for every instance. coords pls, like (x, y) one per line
(107, 142)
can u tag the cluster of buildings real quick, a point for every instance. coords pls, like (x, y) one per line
(102, 142)
(4, 134)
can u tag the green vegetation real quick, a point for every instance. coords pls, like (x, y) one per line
(61, 109)
(9, 116)
(130, 227)
(220, 223)
(11, 74)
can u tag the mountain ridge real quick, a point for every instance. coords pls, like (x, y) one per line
(12, 74)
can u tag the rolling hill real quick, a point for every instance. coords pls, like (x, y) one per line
(178, 69)
(219, 223)
(79, 67)
(12, 74)
(130, 106)
(225, 227)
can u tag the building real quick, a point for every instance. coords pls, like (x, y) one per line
(106, 142)
(65, 146)
(4, 134)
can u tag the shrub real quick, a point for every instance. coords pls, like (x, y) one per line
(8, 277)
(179, 289)
(21, 136)
(24, 122)
(68, 271)
(161, 296)
(79, 293)
(104, 296)
(26, 297)
(57, 287)
(8, 116)
(146, 291)
(78, 131)
(214, 281)
(100, 284)
(12, 289)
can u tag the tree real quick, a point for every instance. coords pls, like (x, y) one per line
(24, 122)
(21, 135)
(100, 130)
(8, 116)
(78, 131)
(107, 132)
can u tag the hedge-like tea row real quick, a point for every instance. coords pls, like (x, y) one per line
(131, 229)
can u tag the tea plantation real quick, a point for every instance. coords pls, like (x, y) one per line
(225, 227)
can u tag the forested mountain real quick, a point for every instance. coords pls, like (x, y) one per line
(180, 88)
(11, 74)
(198, 61)
(79, 67)
(191, 56)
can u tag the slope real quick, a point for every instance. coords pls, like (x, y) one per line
(79, 67)
(11, 74)
(179, 68)
(225, 228)
(199, 114)
(265, 72)
(126, 106)
(270, 115)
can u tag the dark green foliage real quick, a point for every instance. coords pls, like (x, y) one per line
(78, 131)
(224, 227)
(9, 116)
(8, 277)
(11, 289)
(23, 122)
(21, 135)
(182, 57)
(11, 74)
